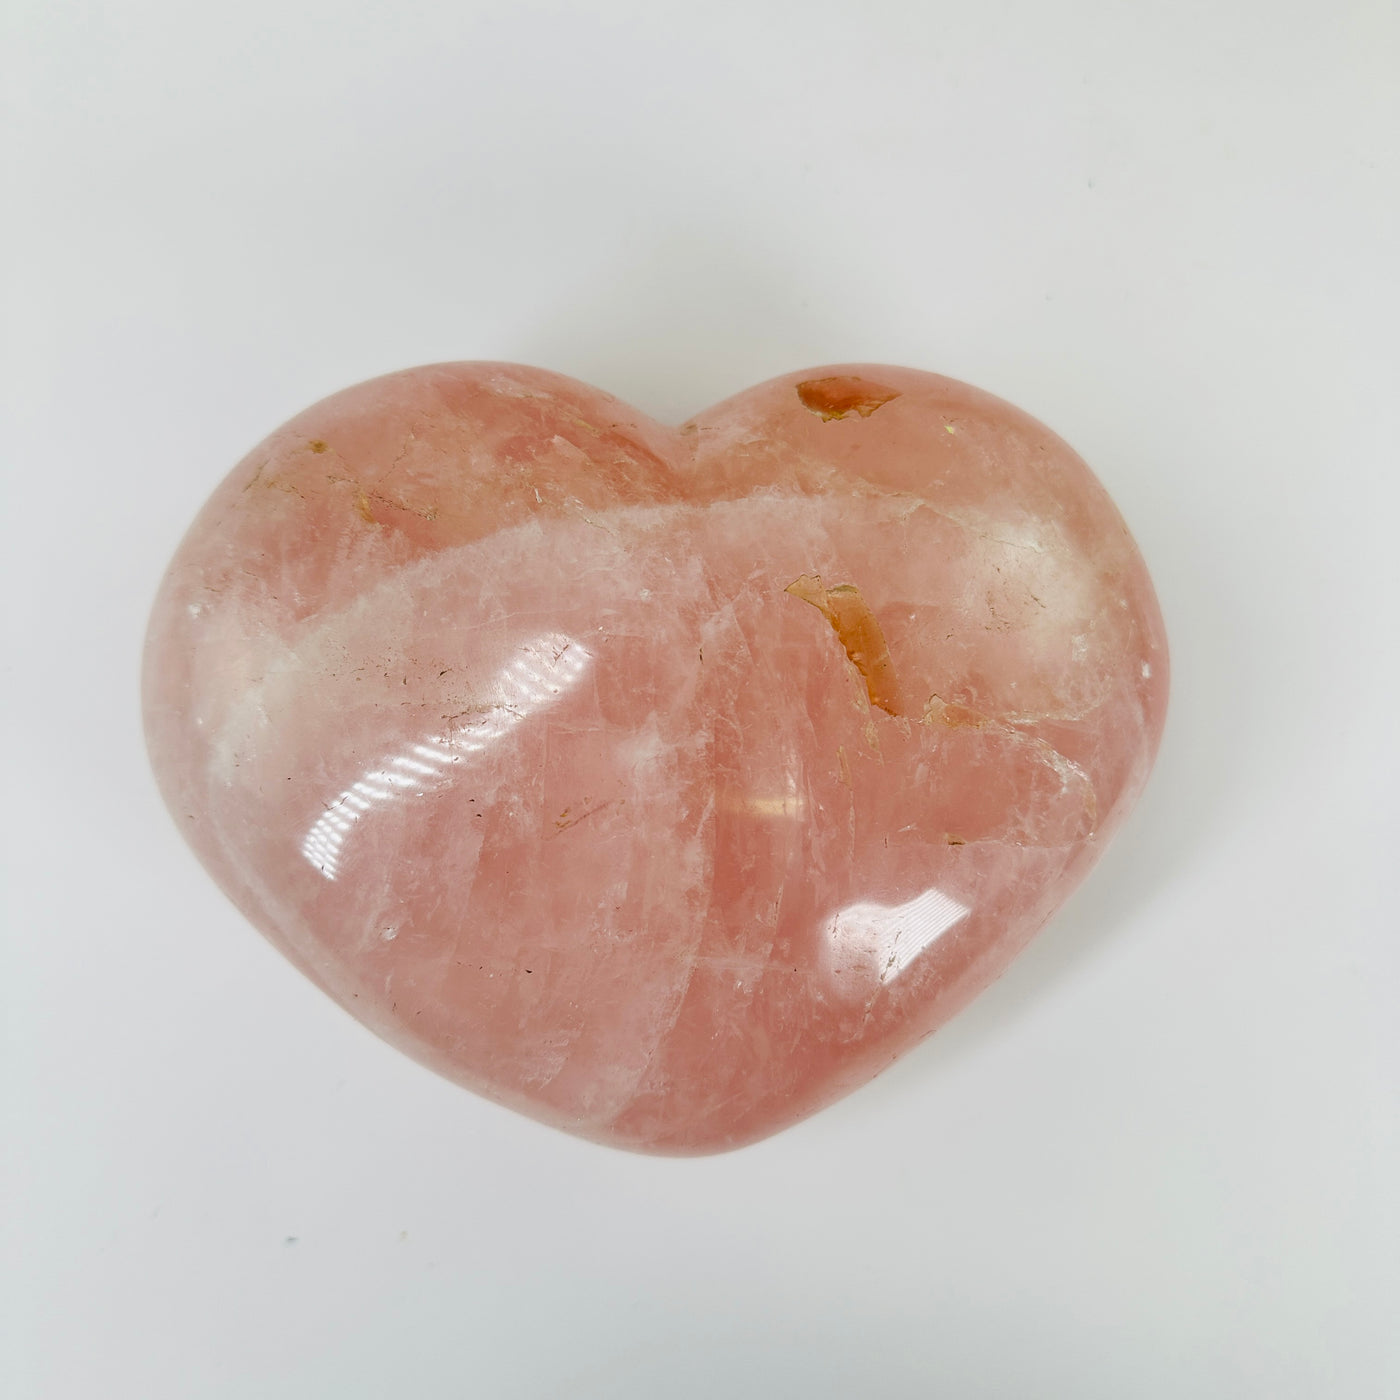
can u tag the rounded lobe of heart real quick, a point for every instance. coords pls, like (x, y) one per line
(662, 784)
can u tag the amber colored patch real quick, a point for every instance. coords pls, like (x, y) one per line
(316, 445)
(842, 395)
(859, 632)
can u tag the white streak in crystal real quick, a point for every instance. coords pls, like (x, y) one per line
(544, 670)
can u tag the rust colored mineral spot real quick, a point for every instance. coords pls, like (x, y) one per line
(842, 395)
(859, 632)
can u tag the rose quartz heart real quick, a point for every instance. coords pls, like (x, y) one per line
(662, 784)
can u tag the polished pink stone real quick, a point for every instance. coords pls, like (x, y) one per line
(664, 784)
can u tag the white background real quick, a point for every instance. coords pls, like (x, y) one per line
(1159, 1158)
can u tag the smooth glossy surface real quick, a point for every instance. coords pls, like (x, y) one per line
(662, 784)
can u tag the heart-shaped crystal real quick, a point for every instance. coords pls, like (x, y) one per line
(662, 784)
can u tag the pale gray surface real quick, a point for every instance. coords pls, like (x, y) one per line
(1158, 1159)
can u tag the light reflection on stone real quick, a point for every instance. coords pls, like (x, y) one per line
(881, 940)
(541, 672)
